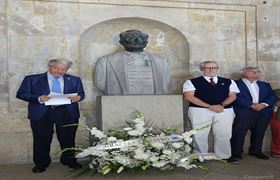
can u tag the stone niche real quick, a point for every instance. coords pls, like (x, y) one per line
(103, 38)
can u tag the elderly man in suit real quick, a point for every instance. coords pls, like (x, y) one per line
(35, 90)
(253, 109)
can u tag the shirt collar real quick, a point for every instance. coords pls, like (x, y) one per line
(215, 78)
(249, 82)
(50, 76)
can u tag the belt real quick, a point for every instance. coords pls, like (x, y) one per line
(56, 107)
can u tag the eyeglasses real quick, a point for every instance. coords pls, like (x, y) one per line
(58, 69)
(256, 71)
(211, 68)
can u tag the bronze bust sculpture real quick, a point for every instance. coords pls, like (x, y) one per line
(133, 71)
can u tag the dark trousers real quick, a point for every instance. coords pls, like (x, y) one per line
(43, 130)
(257, 124)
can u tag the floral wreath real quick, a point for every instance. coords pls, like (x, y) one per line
(141, 145)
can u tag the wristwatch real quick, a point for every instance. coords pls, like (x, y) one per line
(223, 104)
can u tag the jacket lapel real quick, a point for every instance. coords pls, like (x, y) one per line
(45, 84)
(243, 86)
(67, 83)
(260, 91)
(118, 65)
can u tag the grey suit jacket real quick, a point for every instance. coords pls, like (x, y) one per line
(110, 75)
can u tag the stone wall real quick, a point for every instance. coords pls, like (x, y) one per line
(235, 33)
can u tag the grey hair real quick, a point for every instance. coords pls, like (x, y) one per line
(202, 64)
(251, 68)
(60, 61)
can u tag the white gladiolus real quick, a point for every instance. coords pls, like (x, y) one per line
(159, 164)
(154, 158)
(97, 133)
(167, 152)
(177, 145)
(157, 145)
(188, 140)
(112, 139)
(135, 132)
(188, 148)
(139, 126)
(127, 128)
(141, 155)
(139, 121)
(188, 136)
(91, 151)
(123, 160)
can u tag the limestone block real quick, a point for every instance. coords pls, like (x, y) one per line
(27, 24)
(16, 122)
(269, 69)
(163, 110)
(44, 8)
(19, 7)
(61, 25)
(13, 147)
(3, 6)
(38, 49)
(3, 22)
(269, 38)
(4, 107)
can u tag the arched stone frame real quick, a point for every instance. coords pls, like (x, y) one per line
(103, 38)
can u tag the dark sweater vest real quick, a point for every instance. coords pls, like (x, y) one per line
(211, 94)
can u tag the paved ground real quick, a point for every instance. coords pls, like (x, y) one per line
(250, 168)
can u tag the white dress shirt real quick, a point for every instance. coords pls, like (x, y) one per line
(188, 85)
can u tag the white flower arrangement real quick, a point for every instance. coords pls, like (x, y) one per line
(138, 147)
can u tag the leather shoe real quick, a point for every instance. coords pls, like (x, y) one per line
(73, 165)
(275, 155)
(236, 156)
(260, 156)
(231, 160)
(38, 169)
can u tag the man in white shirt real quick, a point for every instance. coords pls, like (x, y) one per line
(210, 98)
(253, 109)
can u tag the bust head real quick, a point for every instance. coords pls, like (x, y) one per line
(133, 40)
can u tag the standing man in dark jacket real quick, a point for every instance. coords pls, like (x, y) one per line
(35, 89)
(253, 109)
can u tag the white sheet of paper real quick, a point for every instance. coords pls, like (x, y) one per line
(59, 99)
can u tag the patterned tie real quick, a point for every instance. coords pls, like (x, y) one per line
(56, 85)
(212, 82)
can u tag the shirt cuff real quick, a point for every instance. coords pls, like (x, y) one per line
(265, 104)
(41, 102)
